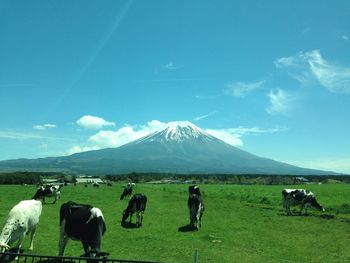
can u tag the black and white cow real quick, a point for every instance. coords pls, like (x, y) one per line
(48, 191)
(84, 223)
(301, 197)
(127, 190)
(194, 190)
(137, 204)
(22, 219)
(196, 208)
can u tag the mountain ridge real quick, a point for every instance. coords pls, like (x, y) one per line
(180, 147)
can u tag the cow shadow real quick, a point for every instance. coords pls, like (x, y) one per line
(187, 228)
(129, 225)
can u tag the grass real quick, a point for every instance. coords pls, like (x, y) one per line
(240, 224)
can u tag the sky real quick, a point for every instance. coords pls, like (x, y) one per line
(269, 77)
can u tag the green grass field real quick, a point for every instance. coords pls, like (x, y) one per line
(241, 223)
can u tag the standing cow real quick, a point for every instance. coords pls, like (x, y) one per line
(81, 222)
(137, 204)
(22, 219)
(301, 197)
(127, 190)
(48, 191)
(196, 208)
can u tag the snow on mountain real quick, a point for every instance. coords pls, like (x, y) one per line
(177, 131)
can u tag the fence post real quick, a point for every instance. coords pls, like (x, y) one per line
(196, 255)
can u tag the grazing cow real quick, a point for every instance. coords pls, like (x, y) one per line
(194, 190)
(22, 219)
(96, 184)
(81, 222)
(301, 197)
(137, 204)
(196, 207)
(48, 191)
(127, 190)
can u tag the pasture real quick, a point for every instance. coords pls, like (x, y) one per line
(241, 223)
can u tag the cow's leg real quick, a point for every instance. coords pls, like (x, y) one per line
(32, 234)
(62, 243)
(20, 240)
(130, 217)
(86, 247)
(304, 207)
(138, 218)
(141, 215)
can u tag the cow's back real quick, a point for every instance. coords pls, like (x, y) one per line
(27, 211)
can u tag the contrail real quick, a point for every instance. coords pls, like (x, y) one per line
(119, 18)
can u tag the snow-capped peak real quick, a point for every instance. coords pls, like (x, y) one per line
(179, 130)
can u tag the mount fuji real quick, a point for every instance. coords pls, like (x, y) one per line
(181, 147)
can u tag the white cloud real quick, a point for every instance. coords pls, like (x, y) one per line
(93, 122)
(341, 165)
(280, 102)
(345, 37)
(286, 62)
(126, 134)
(226, 135)
(311, 65)
(233, 135)
(241, 89)
(44, 126)
(78, 149)
(170, 66)
(27, 136)
(334, 78)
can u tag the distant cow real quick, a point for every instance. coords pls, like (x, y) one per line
(301, 197)
(96, 184)
(127, 190)
(22, 219)
(194, 190)
(48, 191)
(196, 208)
(81, 222)
(137, 204)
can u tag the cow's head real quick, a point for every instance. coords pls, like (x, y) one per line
(126, 214)
(314, 203)
(4, 247)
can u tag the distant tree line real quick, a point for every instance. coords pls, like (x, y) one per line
(228, 178)
(37, 177)
(26, 177)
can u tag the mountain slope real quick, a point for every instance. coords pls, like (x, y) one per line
(181, 147)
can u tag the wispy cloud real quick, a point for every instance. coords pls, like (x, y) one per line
(280, 102)
(205, 116)
(93, 122)
(311, 65)
(241, 89)
(27, 136)
(340, 165)
(345, 37)
(233, 136)
(44, 126)
(171, 66)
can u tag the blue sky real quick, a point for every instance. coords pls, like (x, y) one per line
(270, 77)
